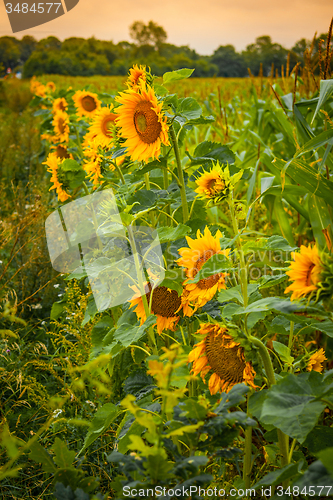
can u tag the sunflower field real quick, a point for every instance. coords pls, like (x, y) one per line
(166, 310)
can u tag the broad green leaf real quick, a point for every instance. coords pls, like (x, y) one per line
(189, 108)
(283, 351)
(193, 409)
(202, 120)
(100, 330)
(320, 438)
(57, 309)
(326, 90)
(166, 234)
(234, 293)
(100, 423)
(127, 334)
(316, 479)
(179, 74)
(218, 263)
(320, 218)
(173, 279)
(324, 326)
(63, 456)
(69, 165)
(278, 476)
(326, 457)
(293, 404)
(41, 456)
(209, 151)
(159, 89)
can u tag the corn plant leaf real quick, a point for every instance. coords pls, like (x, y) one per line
(326, 90)
(319, 217)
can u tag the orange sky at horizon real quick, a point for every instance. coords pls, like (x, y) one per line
(202, 26)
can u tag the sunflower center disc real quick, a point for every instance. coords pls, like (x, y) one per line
(225, 362)
(146, 122)
(206, 283)
(164, 303)
(108, 124)
(88, 103)
(61, 152)
(61, 125)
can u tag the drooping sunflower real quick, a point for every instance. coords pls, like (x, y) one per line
(220, 354)
(316, 360)
(165, 305)
(142, 123)
(217, 183)
(305, 272)
(87, 103)
(137, 74)
(193, 258)
(102, 127)
(60, 104)
(60, 151)
(53, 163)
(61, 126)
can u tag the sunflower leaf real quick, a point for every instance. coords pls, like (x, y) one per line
(179, 74)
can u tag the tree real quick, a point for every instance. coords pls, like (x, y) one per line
(147, 34)
(9, 52)
(266, 52)
(27, 46)
(229, 62)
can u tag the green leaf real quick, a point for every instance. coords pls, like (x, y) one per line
(234, 293)
(63, 456)
(209, 151)
(218, 263)
(41, 456)
(100, 423)
(202, 120)
(320, 218)
(189, 108)
(278, 476)
(291, 404)
(283, 351)
(127, 334)
(69, 165)
(323, 326)
(192, 409)
(173, 279)
(316, 142)
(326, 457)
(326, 90)
(159, 89)
(100, 330)
(316, 476)
(306, 175)
(57, 309)
(179, 74)
(167, 234)
(320, 438)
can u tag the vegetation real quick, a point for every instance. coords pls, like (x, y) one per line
(207, 365)
(149, 47)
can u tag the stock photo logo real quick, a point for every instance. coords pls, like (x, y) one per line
(87, 238)
(28, 14)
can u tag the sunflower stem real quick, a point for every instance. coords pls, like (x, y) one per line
(114, 163)
(247, 454)
(86, 190)
(243, 270)
(180, 174)
(282, 437)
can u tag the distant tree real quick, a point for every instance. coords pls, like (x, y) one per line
(9, 52)
(266, 52)
(229, 62)
(51, 42)
(147, 34)
(27, 46)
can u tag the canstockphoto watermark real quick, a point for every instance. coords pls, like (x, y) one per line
(87, 238)
(160, 491)
(28, 14)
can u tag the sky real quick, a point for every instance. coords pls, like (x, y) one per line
(203, 25)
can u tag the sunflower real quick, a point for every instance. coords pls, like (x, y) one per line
(53, 163)
(220, 354)
(316, 360)
(165, 304)
(60, 151)
(50, 87)
(37, 88)
(103, 126)
(305, 272)
(60, 104)
(136, 76)
(193, 258)
(217, 183)
(87, 103)
(142, 123)
(61, 126)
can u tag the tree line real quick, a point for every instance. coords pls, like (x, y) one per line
(84, 57)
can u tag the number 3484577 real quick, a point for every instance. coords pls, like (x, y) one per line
(36, 8)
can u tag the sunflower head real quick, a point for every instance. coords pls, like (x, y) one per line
(50, 87)
(219, 355)
(305, 272)
(192, 258)
(215, 185)
(315, 361)
(141, 123)
(59, 104)
(61, 126)
(137, 76)
(87, 103)
(59, 184)
(102, 128)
